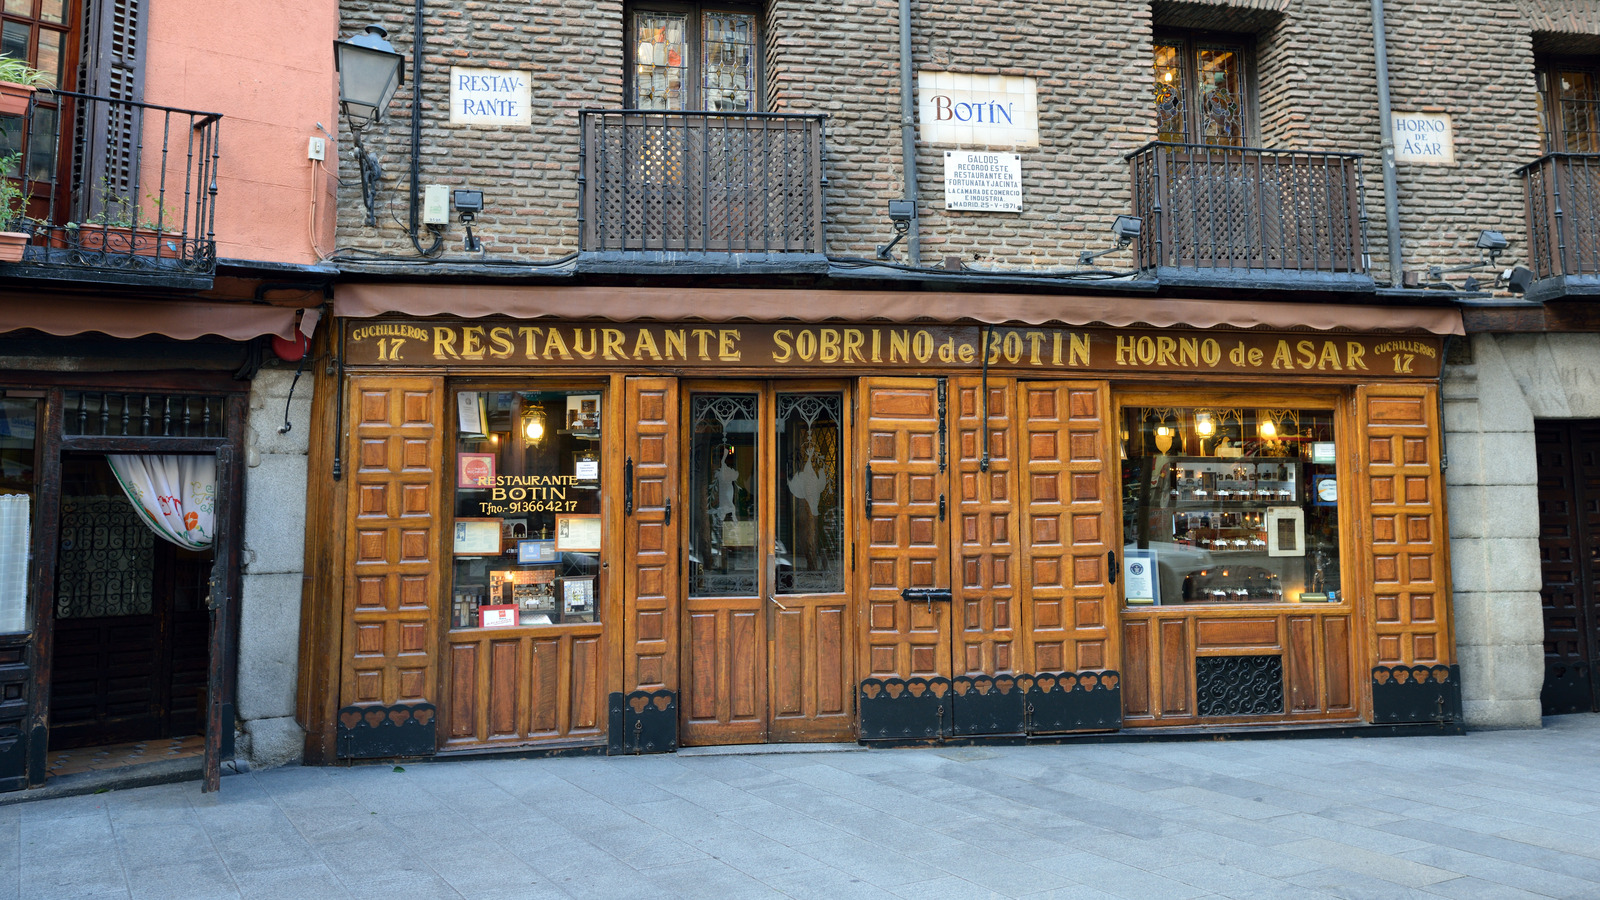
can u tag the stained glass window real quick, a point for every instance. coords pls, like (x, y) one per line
(694, 61)
(1200, 92)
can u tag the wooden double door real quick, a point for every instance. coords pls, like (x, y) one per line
(990, 511)
(767, 615)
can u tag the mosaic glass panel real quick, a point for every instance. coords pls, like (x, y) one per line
(724, 519)
(728, 48)
(1219, 95)
(810, 517)
(661, 60)
(1167, 93)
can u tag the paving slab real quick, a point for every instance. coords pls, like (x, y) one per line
(1484, 816)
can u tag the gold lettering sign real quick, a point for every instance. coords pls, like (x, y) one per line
(491, 343)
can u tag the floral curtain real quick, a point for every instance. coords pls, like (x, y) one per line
(175, 495)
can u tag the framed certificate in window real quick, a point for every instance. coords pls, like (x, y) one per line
(578, 533)
(477, 537)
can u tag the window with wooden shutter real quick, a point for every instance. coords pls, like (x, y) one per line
(105, 179)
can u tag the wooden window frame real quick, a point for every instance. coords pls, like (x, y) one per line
(1551, 138)
(1189, 42)
(696, 31)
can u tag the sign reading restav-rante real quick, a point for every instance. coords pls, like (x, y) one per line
(509, 343)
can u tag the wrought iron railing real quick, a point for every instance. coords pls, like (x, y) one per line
(700, 182)
(1245, 208)
(120, 187)
(143, 415)
(1562, 192)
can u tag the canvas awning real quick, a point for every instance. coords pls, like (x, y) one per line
(674, 304)
(129, 318)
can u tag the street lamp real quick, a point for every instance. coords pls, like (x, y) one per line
(370, 71)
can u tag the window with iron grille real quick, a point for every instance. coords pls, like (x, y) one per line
(688, 57)
(1201, 88)
(1569, 105)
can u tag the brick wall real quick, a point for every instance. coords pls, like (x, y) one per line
(1316, 90)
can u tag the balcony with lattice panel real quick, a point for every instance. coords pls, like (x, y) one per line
(1562, 196)
(702, 189)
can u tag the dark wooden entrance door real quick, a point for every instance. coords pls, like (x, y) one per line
(131, 627)
(1569, 551)
(766, 646)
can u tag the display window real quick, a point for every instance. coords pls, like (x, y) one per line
(1229, 505)
(19, 418)
(526, 537)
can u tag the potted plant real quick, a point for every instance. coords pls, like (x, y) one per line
(119, 226)
(13, 210)
(17, 84)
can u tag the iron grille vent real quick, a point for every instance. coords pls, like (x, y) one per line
(1239, 685)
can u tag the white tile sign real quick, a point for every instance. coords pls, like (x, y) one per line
(982, 182)
(490, 97)
(1425, 138)
(978, 110)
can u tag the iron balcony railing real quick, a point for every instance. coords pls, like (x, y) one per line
(1562, 192)
(700, 182)
(117, 189)
(1283, 212)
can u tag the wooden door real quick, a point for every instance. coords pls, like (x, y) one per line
(1569, 551)
(905, 461)
(724, 699)
(652, 546)
(394, 560)
(986, 604)
(810, 630)
(766, 644)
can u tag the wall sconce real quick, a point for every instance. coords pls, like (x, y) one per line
(1126, 229)
(1204, 424)
(1492, 243)
(370, 71)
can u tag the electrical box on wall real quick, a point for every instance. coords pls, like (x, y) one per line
(436, 205)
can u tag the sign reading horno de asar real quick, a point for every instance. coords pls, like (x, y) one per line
(1424, 138)
(488, 343)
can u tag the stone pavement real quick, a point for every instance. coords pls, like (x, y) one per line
(1487, 815)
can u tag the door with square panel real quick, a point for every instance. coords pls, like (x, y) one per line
(767, 624)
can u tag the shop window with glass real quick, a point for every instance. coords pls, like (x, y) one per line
(1569, 107)
(19, 418)
(692, 58)
(1201, 89)
(527, 530)
(1229, 505)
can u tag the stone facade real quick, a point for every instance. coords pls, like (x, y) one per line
(273, 566)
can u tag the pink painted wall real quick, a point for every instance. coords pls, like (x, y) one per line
(269, 70)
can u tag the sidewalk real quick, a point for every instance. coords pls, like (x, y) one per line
(1488, 815)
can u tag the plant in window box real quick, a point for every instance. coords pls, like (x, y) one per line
(121, 226)
(13, 211)
(18, 81)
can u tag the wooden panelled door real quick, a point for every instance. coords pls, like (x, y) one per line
(1014, 518)
(766, 628)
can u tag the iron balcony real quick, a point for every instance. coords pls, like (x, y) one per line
(1562, 196)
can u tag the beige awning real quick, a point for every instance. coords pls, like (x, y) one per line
(671, 304)
(180, 319)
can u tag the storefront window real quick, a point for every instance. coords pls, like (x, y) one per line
(723, 496)
(527, 512)
(810, 517)
(18, 418)
(1229, 505)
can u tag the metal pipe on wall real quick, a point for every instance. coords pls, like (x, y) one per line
(1391, 189)
(908, 134)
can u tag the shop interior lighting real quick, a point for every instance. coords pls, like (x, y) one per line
(1204, 424)
(533, 425)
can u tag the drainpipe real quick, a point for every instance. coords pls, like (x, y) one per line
(1391, 190)
(908, 136)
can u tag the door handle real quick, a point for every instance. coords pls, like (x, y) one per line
(627, 487)
(1111, 565)
(666, 517)
(775, 602)
(869, 490)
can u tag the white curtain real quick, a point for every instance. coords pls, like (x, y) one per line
(175, 495)
(15, 519)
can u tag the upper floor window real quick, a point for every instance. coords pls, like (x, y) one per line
(683, 57)
(1201, 89)
(39, 32)
(1569, 108)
